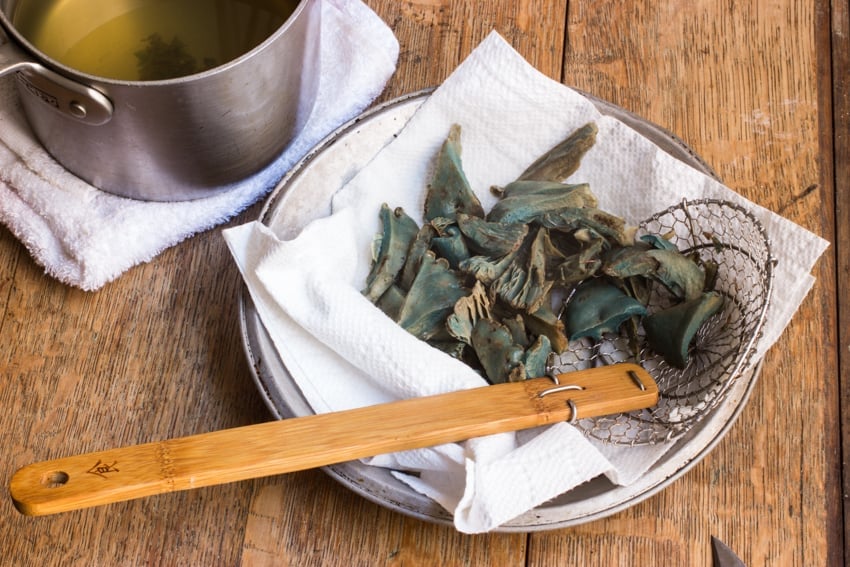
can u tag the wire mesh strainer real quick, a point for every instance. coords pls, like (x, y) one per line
(728, 235)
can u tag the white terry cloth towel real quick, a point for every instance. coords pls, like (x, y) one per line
(86, 238)
(343, 352)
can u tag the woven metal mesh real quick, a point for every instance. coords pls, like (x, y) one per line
(720, 232)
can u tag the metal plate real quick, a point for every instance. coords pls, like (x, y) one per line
(297, 200)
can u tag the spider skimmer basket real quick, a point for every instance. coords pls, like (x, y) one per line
(723, 349)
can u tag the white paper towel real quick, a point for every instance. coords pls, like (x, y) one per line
(343, 352)
(86, 238)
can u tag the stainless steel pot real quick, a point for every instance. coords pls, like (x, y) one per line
(175, 139)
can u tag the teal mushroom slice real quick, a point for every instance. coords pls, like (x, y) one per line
(450, 244)
(565, 158)
(569, 269)
(628, 262)
(576, 268)
(431, 298)
(467, 311)
(503, 358)
(448, 191)
(485, 269)
(516, 326)
(524, 285)
(526, 208)
(493, 239)
(391, 302)
(542, 189)
(658, 242)
(544, 321)
(398, 230)
(499, 356)
(536, 357)
(671, 331)
(454, 349)
(421, 243)
(611, 227)
(677, 272)
(598, 307)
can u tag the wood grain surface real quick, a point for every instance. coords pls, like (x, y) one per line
(759, 89)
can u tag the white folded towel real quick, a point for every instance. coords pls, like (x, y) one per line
(85, 237)
(343, 352)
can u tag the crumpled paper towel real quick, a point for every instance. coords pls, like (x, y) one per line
(343, 352)
(85, 237)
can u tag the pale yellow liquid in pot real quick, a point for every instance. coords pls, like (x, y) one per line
(145, 40)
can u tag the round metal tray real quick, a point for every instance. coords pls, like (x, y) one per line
(297, 200)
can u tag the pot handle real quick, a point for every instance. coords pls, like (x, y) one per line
(75, 100)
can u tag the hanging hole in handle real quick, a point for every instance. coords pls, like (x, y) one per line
(55, 479)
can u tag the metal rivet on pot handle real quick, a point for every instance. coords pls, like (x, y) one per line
(80, 102)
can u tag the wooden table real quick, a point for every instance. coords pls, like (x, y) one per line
(759, 89)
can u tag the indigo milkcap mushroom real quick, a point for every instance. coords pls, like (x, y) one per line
(467, 311)
(451, 245)
(670, 332)
(494, 239)
(565, 158)
(398, 230)
(523, 285)
(677, 272)
(544, 321)
(598, 307)
(486, 270)
(421, 243)
(431, 298)
(449, 191)
(497, 352)
(526, 208)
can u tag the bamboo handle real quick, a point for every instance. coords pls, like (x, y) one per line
(265, 449)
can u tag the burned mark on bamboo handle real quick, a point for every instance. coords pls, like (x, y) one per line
(166, 465)
(101, 468)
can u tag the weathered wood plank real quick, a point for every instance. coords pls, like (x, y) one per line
(739, 83)
(837, 145)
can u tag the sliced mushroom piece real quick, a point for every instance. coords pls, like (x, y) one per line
(537, 357)
(485, 269)
(391, 302)
(467, 311)
(499, 355)
(451, 245)
(658, 242)
(677, 272)
(524, 285)
(598, 307)
(420, 244)
(670, 332)
(681, 275)
(527, 208)
(565, 158)
(568, 270)
(545, 322)
(431, 298)
(611, 227)
(449, 191)
(398, 230)
(529, 188)
(493, 239)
